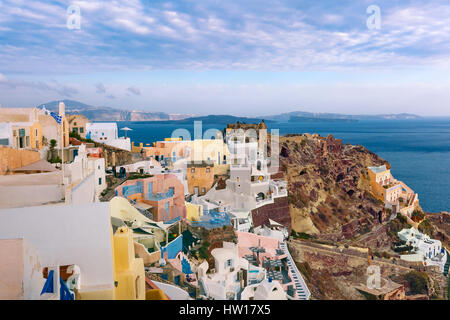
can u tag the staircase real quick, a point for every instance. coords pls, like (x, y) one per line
(447, 264)
(300, 285)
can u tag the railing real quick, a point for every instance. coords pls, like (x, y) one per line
(130, 190)
(159, 196)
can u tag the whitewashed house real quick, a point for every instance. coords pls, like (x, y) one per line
(426, 250)
(107, 133)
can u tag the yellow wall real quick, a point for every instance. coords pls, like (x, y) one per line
(377, 189)
(136, 149)
(173, 139)
(201, 178)
(78, 121)
(95, 294)
(36, 138)
(129, 273)
(15, 158)
(155, 294)
(194, 211)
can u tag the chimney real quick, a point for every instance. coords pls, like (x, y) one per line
(62, 109)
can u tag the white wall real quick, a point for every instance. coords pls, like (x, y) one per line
(66, 234)
(121, 143)
(33, 279)
(98, 165)
(173, 292)
(6, 133)
(29, 195)
(83, 192)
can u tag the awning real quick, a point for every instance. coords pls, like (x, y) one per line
(143, 206)
(40, 165)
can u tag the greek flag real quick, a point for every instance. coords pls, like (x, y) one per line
(55, 116)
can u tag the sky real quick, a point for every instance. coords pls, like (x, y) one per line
(245, 58)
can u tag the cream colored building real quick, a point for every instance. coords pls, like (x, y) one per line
(77, 124)
(49, 128)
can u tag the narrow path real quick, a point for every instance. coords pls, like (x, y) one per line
(300, 286)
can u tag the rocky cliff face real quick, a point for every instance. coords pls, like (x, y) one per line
(328, 186)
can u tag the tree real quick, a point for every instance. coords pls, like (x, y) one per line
(52, 144)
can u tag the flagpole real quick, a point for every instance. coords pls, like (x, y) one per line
(62, 148)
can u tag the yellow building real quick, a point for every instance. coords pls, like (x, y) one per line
(379, 177)
(200, 177)
(49, 128)
(136, 149)
(77, 124)
(194, 211)
(26, 135)
(129, 271)
(173, 149)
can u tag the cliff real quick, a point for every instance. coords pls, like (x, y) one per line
(328, 185)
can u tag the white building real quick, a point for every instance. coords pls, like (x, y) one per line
(427, 250)
(84, 178)
(107, 133)
(6, 136)
(231, 274)
(66, 235)
(265, 290)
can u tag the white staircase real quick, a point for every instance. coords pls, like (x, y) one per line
(300, 286)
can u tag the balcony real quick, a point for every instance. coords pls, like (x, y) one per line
(159, 196)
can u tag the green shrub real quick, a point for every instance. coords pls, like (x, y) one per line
(418, 282)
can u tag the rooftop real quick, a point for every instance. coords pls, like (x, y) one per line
(378, 169)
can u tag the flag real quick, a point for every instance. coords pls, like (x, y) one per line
(58, 118)
(55, 116)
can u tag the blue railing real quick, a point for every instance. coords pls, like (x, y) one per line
(212, 219)
(130, 190)
(160, 196)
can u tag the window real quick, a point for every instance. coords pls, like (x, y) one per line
(37, 144)
(192, 170)
(36, 132)
(208, 170)
(99, 181)
(81, 130)
(27, 141)
(75, 130)
(203, 190)
(74, 123)
(229, 263)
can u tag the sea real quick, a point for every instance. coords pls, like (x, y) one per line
(418, 150)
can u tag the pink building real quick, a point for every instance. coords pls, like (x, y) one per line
(266, 252)
(163, 193)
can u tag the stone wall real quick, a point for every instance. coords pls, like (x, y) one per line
(11, 159)
(278, 211)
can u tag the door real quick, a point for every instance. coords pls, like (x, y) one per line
(196, 191)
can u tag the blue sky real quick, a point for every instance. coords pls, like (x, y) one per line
(239, 57)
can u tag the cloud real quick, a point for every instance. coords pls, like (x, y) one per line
(51, 86)
(100, 88)
(134, 90)
(137, 35)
